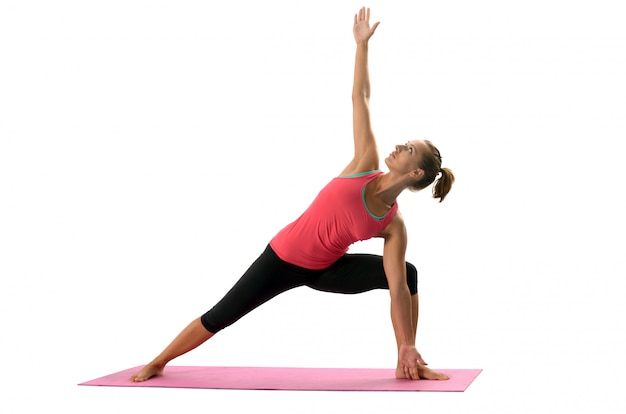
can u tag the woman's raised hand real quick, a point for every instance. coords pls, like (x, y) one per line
(362, 30)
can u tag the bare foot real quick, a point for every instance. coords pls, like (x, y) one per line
(146, 373)
(429, 374)
(424, 373)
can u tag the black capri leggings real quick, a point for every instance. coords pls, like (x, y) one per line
(269, 276)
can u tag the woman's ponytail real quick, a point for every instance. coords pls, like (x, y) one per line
(433, 173)
(443, 184)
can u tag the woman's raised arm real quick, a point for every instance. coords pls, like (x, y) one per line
(365, 150)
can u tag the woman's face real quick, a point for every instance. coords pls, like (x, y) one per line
(406, 157)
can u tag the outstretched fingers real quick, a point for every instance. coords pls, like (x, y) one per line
(362, 15)
(362, 28)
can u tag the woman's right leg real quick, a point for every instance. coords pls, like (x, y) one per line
(267, 277)
(191, 337)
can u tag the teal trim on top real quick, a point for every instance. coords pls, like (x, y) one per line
(361, 174)
(368, 210)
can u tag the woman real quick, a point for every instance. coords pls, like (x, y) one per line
(312, 251)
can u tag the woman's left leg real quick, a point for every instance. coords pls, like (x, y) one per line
(358, 272)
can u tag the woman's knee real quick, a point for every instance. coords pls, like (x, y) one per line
(411, 277)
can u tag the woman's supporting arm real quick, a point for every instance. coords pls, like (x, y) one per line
(401, 306)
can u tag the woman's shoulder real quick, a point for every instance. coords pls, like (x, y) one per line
(368, 173)
(358, 166)
(396, 226)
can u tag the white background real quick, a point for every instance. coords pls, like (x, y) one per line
(150, 149)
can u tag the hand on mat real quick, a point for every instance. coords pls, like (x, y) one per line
(362, 30)
(408, 359)
(411, 365)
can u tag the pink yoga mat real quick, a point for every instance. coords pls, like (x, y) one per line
(272, 378)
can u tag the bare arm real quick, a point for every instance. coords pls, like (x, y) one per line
(401, 316)
(365, 150)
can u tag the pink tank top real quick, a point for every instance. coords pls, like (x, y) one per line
(337, 218)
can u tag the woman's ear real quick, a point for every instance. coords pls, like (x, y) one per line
(417, 174)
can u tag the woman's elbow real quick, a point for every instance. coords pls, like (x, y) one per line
(360, 97)
(399, 291)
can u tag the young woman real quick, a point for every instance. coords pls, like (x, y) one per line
(312, 251)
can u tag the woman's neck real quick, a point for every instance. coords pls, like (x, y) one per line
(388, 187)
